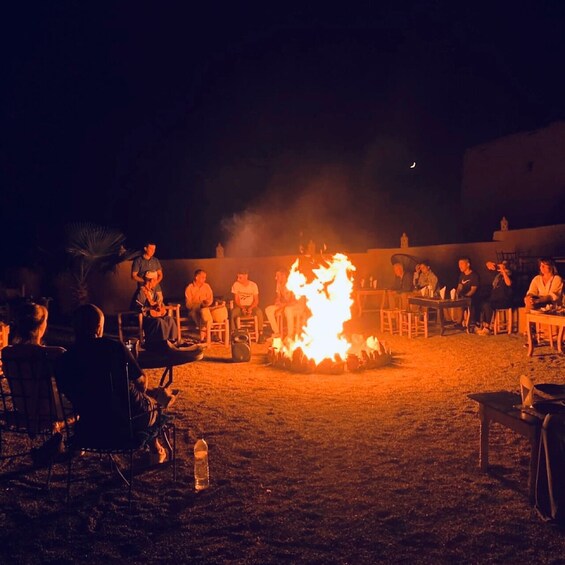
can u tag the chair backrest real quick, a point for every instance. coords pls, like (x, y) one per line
(111, 410)
(130, 325)
(30, 400)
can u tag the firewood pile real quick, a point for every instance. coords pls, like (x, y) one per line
(353, 363)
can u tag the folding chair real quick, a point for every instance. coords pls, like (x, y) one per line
(110, 436)
(31, 404)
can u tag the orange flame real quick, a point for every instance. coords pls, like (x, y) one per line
(328, 295)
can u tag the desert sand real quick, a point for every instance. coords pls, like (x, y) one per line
(379, 466)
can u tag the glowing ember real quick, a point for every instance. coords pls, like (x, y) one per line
(327, 290)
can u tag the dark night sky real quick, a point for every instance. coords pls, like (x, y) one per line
(189, 124)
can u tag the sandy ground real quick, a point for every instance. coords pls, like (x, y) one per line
(380, 466)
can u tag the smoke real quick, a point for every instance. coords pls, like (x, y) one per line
(310, 203)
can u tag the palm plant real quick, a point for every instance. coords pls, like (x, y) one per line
(91, 246)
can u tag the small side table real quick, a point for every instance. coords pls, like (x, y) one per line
(500, 407)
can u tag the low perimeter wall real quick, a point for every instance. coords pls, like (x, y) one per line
(113, 292)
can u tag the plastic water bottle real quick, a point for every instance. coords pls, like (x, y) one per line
(201, 472)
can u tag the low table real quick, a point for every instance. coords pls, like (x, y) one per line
(500, 407)
(167, 360)
(441, 305)
(534, 317)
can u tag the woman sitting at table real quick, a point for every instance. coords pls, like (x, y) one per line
(545, 288)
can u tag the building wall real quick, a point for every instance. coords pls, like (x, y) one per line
(520, 176)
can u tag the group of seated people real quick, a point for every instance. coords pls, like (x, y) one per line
(493, 292)
(98, 376)
(199, 299)
(161, 331)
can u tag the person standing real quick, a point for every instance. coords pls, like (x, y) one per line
(147, 262)
(246, 301)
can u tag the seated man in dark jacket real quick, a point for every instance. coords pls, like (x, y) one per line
(104, 382)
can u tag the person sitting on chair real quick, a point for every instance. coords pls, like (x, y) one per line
(158, 328)
(199, 297)
(498, 295)
(402, 282)
(285, 304)
(545, 288)
(38, 407)
(29, 329)
(105, 385)
(246, 299)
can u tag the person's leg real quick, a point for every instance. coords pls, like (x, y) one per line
(270, 311)
(487, 311)
(290, 315)
(259, 313)
(206, 324)
(234, 315)
(170, 328)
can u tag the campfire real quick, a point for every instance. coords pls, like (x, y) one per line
(321, 346)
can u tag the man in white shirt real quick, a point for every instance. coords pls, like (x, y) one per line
(246, 301)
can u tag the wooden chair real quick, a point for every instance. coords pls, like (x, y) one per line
(220, 330)
(250, 324)
(390, 320)
(130, 326)
(31, 405)
(413, 323)
(130, 323)
(186, 324)
(502, 321)
(173, 309)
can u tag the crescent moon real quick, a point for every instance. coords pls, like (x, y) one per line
(413, 165)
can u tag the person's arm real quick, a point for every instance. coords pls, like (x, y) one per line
(141, 383)
(255, 302)
(472, 291)
(159, 275)
(159, 297)
(505, 275)
(556, 288)
(135, 271)
(139, 300)
(208, 296)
